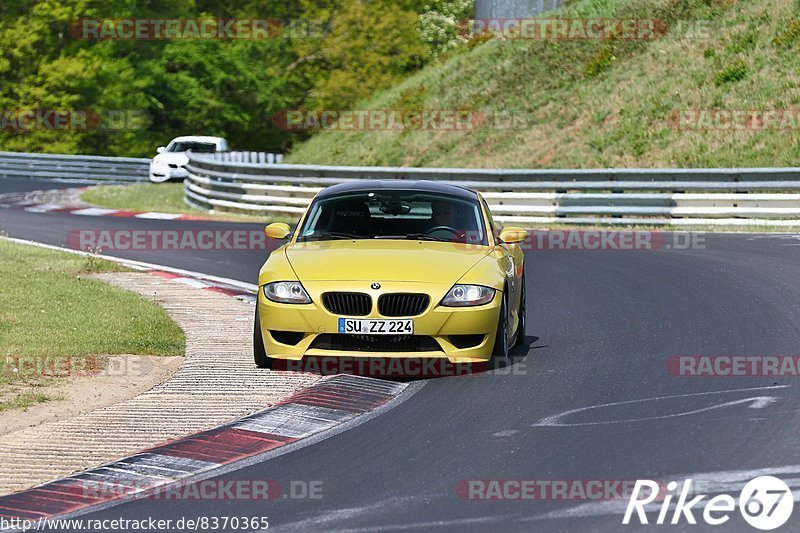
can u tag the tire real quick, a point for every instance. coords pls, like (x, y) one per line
(501, 339)
(259, 352)
(520, 339)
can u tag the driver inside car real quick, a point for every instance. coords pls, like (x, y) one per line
(450, 215)
(444, 214)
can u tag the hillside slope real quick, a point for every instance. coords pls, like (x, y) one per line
(605, 103)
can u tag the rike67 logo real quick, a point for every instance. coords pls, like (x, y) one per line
(765, 503)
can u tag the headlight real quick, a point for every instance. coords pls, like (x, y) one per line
(286, 292)
(468, 295)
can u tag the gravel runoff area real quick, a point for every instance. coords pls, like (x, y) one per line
(51, 196)
(216, 383)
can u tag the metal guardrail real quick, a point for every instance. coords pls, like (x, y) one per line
(677, 197)
(247, 157)
(256, 183)
(81, 168)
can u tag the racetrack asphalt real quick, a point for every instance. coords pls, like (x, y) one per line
(602, 325)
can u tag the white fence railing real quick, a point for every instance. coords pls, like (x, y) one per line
(83, 168)
(679, 197)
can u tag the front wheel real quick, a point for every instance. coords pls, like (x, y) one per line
(501, 339)
(520, 340)
(259, 352)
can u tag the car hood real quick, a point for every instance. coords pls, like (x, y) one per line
(176, 158)
(383, 260)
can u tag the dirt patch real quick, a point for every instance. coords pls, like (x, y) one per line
(125, 377)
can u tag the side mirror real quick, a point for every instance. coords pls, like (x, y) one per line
(160, 149)
(512, 235)
(278, 230)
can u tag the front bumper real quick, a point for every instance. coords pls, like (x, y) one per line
(441, 324)
(178, 173)
(167, 172)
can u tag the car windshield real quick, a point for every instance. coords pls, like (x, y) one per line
(395, 215)
(184, 146)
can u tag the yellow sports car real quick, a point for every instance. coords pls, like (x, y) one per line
(392, 269)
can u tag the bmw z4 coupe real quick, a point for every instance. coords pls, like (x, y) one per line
(392, 269)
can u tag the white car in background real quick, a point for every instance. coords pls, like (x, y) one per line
(170, 163)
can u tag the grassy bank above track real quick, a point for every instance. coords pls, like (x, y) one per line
(593, 103)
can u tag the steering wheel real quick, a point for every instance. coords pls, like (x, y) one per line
(445, 228)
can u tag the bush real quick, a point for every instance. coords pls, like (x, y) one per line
(442, 24)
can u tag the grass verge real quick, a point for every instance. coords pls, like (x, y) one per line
(24, 400)
(53, 316)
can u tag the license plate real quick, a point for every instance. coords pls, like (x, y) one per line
(354, 326)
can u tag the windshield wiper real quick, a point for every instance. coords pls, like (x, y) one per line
(424, 237)
(414, 237)
(332, 235)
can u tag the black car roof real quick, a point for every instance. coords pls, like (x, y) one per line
(398, 185)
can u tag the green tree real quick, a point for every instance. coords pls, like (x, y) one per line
(222, 87)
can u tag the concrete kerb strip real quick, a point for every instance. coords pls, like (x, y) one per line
(332, 403)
